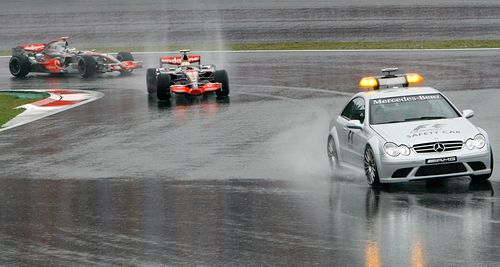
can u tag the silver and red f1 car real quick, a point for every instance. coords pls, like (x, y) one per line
(57, 57)
(183, 77)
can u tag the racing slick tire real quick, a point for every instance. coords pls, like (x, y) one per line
(484, 177)
(151, 80)
(220, 76)
(19, 66)
(124, 56)
(163, 86)
(331, 151)
(370, 167)
(87, 66)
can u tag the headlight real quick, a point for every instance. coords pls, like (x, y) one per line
(391, 149)
(469, 144)
(404, 150)
(479, 141)
(394, 150)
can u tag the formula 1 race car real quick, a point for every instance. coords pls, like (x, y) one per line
(57, 57)
(399, 134)
(186, 78)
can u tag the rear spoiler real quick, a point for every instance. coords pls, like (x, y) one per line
(178, 59)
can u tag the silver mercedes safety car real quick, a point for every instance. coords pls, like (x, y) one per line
(398, 133)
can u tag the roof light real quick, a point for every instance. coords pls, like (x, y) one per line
(369, 83)
(412, 78)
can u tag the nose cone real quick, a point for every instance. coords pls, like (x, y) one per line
(195, 91)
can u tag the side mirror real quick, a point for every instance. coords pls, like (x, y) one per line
(468, 113)
(354, 124)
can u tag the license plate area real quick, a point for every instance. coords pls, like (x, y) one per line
(440, 160)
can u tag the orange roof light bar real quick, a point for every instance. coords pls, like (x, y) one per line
(368, 83)
(412, 78)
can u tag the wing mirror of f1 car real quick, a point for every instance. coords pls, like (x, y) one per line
(468, 113)
(354, 124)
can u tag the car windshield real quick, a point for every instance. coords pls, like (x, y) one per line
(410, 108)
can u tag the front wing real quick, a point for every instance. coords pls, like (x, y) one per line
(193, 90)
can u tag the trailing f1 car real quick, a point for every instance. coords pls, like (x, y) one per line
(398, 134)
(57, 57)
(183, 77)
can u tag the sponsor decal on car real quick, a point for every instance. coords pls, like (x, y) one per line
(178, 59)
(400, 99)
(441, 160)
(34, 47)
(430, 129)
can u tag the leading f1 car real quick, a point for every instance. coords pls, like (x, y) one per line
(397, 133)
(57, 57)
(179, 75)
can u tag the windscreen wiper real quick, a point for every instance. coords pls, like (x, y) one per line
(426, 118)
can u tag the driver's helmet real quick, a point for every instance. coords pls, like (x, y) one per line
(57, 47)
(185, 65)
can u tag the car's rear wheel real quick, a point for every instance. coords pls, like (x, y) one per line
(19, 66)
(163, 86)
(220, 76)
(484, 177)
(331, 150)
(370, 165)
(151, 80)
(87, 66)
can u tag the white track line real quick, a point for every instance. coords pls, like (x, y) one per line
(321, 50)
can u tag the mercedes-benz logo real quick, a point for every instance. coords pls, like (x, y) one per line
(438, 147)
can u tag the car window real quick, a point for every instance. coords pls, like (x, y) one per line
(410, 108)
(355, 110)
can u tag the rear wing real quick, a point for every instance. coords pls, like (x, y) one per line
(30, 48)
(35, 48)
(178, 59)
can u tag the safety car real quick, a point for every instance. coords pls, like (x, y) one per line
(395, 132)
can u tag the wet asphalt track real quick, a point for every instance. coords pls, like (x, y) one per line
(245, 181)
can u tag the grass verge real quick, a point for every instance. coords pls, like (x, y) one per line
(326, 45)
(9, 102)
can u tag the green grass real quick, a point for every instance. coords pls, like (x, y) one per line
(8, 104)
(447, 44)
(408, 44)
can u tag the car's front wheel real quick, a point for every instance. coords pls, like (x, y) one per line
(220, 76)
(124, 56)
(370, 165)
(484, 177)
(331, 150)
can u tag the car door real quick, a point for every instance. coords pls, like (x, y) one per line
(358, 138)
(355, 110)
